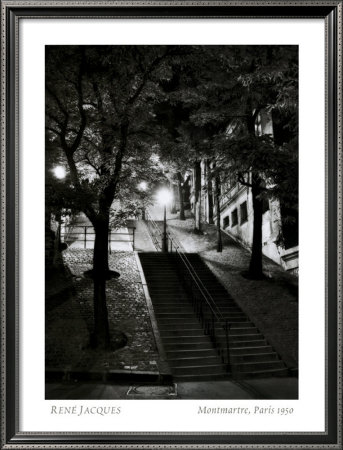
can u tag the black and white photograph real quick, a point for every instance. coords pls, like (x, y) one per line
(171, 222)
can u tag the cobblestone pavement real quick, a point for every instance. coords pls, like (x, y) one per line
(68, 325)
(272, 303)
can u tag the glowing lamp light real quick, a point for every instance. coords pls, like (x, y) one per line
(59, 172)
(164, 196)
(143, 186)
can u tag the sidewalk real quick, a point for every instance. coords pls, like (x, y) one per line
(143, 242)
(68, 325)
(271, 388)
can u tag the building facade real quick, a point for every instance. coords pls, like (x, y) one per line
(236, 211)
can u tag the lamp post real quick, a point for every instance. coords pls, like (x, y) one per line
(164, 197)
(59, 173)
(143, 186)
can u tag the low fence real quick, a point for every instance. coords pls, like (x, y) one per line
(84, 234)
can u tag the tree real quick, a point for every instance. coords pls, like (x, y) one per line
(99, 101)
(174, 156)
(235, 85)
(181, 138)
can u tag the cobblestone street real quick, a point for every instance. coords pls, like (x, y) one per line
(68, 325)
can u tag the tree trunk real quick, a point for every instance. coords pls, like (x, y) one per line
(101, 336)
(219, 234)
(255, 267)
(182, 207)
(197, 195)
(209, 194)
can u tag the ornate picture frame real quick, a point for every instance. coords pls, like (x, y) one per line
(12, 12)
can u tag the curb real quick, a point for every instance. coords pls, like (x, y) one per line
(65, 375)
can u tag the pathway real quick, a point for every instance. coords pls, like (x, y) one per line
(143, 242)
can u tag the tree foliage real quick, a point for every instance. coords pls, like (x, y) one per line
(230, 88)
(98, 113)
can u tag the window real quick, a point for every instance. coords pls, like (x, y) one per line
(226, 221)
(290, 226)
(244, 212)
(234, 218)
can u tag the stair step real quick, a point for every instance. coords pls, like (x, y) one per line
(194, 361)
(181, 332)
(173, 318)
(238, 318)
(198, 339)
(202, 377)
(243, 331)
(262, 373)
(173, 321)
(176, 315)
(235, 344)
(254, 357)
(165, 308)
(247, 350)
(199, 352)
(231, 315)
(182, 325)
(229, 308)
(176, 290)
(157, 278)
(169, 298)
(199, 369)
(243, 338)
(173, 309)
(178, 345)
(158, 265)
(242, 325)
(256, 366)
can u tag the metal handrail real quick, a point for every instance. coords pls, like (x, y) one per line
(206, 298)
(188, 264)
(191, 268)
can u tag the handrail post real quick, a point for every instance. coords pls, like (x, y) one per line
(133, 238)
(164, 236)
(109, 242)
(85, 239)
(227, 328)
(213, 328)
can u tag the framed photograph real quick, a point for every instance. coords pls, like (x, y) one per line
(171, 224)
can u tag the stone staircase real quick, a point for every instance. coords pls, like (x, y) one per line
(190, 353)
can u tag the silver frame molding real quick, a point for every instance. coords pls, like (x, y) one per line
(12, 11)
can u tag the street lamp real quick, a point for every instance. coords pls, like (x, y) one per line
(59, 172)
(143, 186)
(164, 197)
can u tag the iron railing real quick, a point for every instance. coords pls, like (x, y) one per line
(86, 233)
(212, 321)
